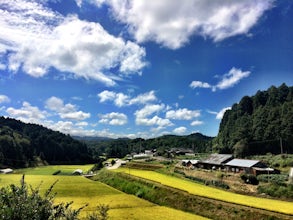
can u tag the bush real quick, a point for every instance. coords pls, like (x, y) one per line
(56, 172)
(249, 178)
(26, 203)
(273, 178)
(275, 190)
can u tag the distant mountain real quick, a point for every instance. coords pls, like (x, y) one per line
(23, 145)
(259, 124)
(123, 146)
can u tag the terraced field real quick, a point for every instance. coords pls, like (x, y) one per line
(210, 192)
(84, 191)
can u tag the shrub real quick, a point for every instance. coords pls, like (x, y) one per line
(248, 178)
(273, 178)
(276, 190)
(56, 172)
(23, 202)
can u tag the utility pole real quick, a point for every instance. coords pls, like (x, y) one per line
(281, 145)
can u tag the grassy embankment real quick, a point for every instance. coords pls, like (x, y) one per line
(84, 191)
(180, 199)
(213, 193)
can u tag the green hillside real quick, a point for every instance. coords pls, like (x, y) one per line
(23, 145)
(258, 124)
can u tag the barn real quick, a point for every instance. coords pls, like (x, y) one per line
(254, 167)
(215, 161)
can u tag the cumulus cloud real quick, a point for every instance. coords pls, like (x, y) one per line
(145, 116)
(4, 98)
(172, 23)
(228, 80)
(121, 99)
(220, 114)
(65, 111)
(113, 118)
(199, 84)
(182, 114)
(27, 113)
(180, 130)
(37, 38)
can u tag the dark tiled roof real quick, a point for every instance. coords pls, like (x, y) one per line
(217, 159)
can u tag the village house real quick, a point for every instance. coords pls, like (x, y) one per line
(6, 171)
(190, 163)
(254, 167)
(215, 161)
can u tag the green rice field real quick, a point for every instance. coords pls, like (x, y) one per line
(210, 192)
(83, 191)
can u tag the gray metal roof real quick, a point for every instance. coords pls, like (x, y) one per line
(217, 158)
(242, 163)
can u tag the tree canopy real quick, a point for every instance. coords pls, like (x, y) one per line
(23, 145)
(258, 124)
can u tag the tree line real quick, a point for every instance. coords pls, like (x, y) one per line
(123, 146)
(258, 124)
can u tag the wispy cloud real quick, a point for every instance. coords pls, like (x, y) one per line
(38, 38)
(228, 80)
(172, 23)
(196, 123)
(4, 98)
(220, 114)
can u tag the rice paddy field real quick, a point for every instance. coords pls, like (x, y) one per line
(83, 191)
(210, 192)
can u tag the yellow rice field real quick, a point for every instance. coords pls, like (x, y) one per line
(210, 192)
(84, 191)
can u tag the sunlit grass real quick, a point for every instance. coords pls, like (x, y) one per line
(49, 170)
(83, 191)
(210, 192)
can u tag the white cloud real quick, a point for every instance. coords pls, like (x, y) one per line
(27, 113)
(4, 98)
(220, 114)
(180, 130)
(172, 23)
(196, 123)
(121, 99)
(143, 116)
(227, 80)
(232, 78)
(65, 111)
(113, 118)
(199, 84)
(38, 38)
(182, 114)
(144, 98)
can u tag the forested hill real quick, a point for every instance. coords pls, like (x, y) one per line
(24, 145)
(123, 146)
(259, 124)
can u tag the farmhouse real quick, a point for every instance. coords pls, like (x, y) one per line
(215, 161)
(189, 163)
(254, 167)
(6, 171)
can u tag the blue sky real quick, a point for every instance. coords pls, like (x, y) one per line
(139, 68)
